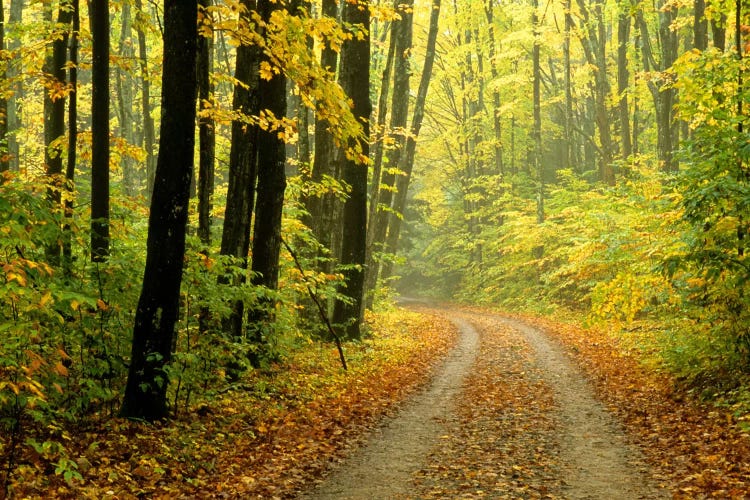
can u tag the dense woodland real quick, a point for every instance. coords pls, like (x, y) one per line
(193, 191)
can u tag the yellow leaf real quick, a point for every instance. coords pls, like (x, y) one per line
(101, 305)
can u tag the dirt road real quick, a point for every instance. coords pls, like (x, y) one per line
(507, 415)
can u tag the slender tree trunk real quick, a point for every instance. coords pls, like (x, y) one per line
(158, 307)
(402, 184)
(700, 25)
(70, 169)
(54, 119)
(496, 117)
(623, 80)
(383, 199)
(570, 143)
(380, 133)
(355, 79)
(125, 85)
(149, 135)
(537, 127)
(322, 208)
(206, 128)
(235, 239)
(4, 156)
(99, 15)
(270, 200)
(207, 144)
(13, 73)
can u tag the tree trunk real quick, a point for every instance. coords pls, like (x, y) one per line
(125, 85)
(149, 136)
(13, 73)
(322, 208)
(54, 119)
(207, 146)
(594, 48)
(380, 133)
(99, 15)
(206, 128)
(570, 143)
(536, 132)
(70, 169)
(383, 199)
(402, 184)
(719, 32)
(158, 307)
(270, 200)
(700, 25)
(235, 239)
(4, 156)
(496, 118)
(623, 81)
(355, 79)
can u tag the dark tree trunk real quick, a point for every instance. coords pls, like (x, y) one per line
(270, 200)
(383, 199)
(322, 208)
(235, 239)
(158, 307)
(719, 32)
(700, 25)
(206, 148)
(355, 79)
(207, 138)
(70, 168)
(54, 119)
(402, 184)
(149, 135)
(99, 15)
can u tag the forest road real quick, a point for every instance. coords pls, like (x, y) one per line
(506, 415)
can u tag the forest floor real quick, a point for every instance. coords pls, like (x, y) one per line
(443, 403)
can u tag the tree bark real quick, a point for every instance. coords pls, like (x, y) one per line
(402, 184)
(125, 85)
(158, 307)
(70, 168)
(270, 200)
(206, 127)
(99, 15)
(235, 239)
(149, 135)
(14, 107)
(623, 81)
(4, 154)
(355, 79)
(54, 119)
(496, 118)
(537, 127)
(700, 25)
(322, 208)
(384, 187)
